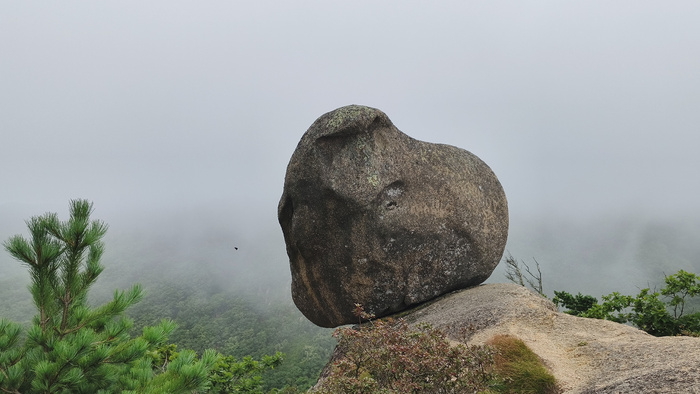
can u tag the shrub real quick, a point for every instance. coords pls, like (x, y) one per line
(387, 356)
(577, 304)
(647, 310)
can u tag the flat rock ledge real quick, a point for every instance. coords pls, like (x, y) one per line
(585, 355)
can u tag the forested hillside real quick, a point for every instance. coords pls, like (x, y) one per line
(233, 323)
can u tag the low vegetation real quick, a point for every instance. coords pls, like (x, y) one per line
(660, 313)
(388, 356)
(518, 369)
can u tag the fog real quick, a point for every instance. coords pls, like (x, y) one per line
(177, 119)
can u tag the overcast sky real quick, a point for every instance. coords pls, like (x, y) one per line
(580, 108)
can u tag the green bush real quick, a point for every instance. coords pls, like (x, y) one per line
(647, 310)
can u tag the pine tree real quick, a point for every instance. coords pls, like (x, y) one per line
(72, 347)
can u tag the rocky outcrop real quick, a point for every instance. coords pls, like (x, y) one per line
(585, 355)
(373, 216)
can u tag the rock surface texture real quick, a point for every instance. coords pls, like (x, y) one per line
(585, 355)
(373, 216)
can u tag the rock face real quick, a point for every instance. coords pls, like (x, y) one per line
(373, 216)
(584, 355)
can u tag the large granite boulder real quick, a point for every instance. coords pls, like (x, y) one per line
(375, 217)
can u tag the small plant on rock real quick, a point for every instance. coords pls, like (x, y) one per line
(519, 369)
(515, 274)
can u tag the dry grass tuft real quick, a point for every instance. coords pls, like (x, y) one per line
(520, 370)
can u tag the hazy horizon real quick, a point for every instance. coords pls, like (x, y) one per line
(587, 112)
